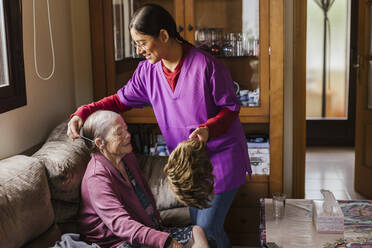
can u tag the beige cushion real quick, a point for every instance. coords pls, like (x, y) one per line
(65, 161)
(152, 168)
(65, 164)
(25, 207)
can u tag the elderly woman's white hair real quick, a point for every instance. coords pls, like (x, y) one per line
(96, 126)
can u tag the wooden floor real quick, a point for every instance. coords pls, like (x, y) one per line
(330, 168)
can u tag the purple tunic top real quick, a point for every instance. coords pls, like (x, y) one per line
(204, 87)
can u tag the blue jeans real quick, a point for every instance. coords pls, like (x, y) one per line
(212, 219)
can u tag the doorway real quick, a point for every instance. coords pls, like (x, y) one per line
(330, 78)
(363, 123)
(330, 97)
(330, 130)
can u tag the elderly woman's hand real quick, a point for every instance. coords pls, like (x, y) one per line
(201, 133)
(74, 126)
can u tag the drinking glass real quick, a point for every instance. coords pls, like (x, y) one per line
(279, 204)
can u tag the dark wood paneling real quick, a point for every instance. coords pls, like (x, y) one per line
(98, 49)
(109, 48)
(247, 239)
(242, 226)
(243, 220)
(250, 194)
(368, 146)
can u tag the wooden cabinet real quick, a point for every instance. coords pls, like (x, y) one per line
(252, 71)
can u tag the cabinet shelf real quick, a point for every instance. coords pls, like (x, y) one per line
(146, 115)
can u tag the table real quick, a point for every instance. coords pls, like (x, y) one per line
(296, 228)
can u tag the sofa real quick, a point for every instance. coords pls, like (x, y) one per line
(40, 193)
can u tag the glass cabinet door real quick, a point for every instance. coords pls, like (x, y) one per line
(235, 31)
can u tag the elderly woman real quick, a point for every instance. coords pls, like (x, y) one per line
(117, 207)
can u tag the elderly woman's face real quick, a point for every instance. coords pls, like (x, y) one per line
(117, 140)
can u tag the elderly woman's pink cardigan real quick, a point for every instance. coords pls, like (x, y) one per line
(110, 212)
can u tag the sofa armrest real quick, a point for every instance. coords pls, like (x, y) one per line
(25, 205)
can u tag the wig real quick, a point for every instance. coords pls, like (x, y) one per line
(190, 174)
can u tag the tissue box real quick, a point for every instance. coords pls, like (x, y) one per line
(328, 217)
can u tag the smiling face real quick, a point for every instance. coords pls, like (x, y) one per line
(117, 140)
(152, 48)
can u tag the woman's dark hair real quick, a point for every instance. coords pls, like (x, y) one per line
(151, 18)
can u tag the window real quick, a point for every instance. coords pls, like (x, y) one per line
(12, 75)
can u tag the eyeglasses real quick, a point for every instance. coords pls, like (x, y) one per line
(136, 45)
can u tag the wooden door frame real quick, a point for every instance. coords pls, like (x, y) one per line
(276, 94)
(299, 98)
(363, 116)
(103, 61)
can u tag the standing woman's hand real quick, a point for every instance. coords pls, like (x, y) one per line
(74, 126)
(201, 133)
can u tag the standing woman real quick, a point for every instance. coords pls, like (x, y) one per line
(192, 95)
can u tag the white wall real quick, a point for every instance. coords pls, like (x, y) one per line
(50, 102)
